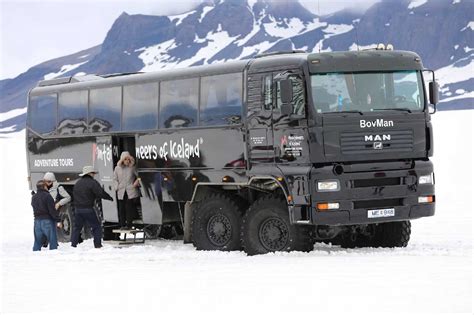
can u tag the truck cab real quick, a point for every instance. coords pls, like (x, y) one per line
(352, 137)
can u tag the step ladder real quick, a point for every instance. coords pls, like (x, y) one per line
(134, 240)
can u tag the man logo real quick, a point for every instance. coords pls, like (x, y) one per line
(377, 138)
(378, 146)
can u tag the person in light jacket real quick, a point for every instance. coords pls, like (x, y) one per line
(59, 194)
(126, 184)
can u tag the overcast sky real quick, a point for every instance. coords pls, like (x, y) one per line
(33, 31)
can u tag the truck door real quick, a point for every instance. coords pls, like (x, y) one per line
(105, 155)
(290, 132)
(259, 118)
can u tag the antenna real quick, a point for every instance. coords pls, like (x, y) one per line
(357, 37)
(319, 18)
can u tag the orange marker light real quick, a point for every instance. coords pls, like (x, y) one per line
(322, 206)
(327, 206)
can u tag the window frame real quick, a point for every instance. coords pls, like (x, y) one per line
(29, 118)
(120, 112)
(156, 83)
(241, 82)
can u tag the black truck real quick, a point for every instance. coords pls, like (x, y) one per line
(268, 154)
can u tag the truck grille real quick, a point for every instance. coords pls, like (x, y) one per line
(375, 182)
(378, 203)
(373, 142)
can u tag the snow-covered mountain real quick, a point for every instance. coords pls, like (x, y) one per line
(441, 31)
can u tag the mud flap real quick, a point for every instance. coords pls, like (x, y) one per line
(188, 214)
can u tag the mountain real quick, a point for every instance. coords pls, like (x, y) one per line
(217, 31)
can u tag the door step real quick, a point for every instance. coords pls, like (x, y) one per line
(134, 240)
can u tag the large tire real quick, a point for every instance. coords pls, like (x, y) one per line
(266, 228)
(392, 234)
(216, 223)
(66, 215)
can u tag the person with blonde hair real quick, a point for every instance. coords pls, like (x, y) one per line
(126, 183)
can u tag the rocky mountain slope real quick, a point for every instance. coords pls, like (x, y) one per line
(217, 31)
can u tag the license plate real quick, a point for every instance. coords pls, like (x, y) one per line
(381, 213)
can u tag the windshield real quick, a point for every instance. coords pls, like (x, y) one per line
(364, 92)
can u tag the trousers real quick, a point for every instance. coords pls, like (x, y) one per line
(45, 228)
(82, 216)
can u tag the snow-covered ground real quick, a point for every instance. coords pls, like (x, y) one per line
(433, 274)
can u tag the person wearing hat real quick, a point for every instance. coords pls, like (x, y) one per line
(126, 184)
(85, 192)
(46, 217)
(59, 194)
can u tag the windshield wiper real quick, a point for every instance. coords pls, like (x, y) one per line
(346, 111)
(399, 109)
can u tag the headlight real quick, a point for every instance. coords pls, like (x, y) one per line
(328, 185)
(425, 179)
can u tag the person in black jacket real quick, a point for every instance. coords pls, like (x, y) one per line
(85, 192)
(46, 217)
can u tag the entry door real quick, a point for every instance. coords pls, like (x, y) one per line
(290, 135)
(105, 156)
(259, 118)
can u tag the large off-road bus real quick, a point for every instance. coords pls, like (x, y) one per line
(268, 154)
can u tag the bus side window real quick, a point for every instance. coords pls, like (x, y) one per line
(179, 103)
(72, 109)
(140, 107)
(267, 92)
(105, 106)
(42, 113)
(221, 100)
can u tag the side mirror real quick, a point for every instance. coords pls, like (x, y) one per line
(434, 92)
(286, 92)
(286, 109)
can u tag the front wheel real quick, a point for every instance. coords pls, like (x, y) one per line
(266, 228)
(392, 234)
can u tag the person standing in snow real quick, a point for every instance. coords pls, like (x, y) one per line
(85, 192)
(59, 194)
(46, 217)
(126, 184)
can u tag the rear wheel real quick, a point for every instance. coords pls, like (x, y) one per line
(266, 228)
(216, 223)
(152, 231)
(66, 216)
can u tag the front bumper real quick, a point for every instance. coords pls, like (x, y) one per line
(365, 187)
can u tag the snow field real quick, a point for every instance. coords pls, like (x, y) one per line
(433, 274)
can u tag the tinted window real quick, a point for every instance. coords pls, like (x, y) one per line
(267, 92)
(140, 107)
(221, 99)
(42, 113)
(178, 103)
(72, 112)
(105, 106)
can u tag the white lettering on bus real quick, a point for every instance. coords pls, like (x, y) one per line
(67, 162)
(170, 149)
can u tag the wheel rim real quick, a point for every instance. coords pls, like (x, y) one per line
(219, 230)
(66, 222)
(273, 234)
